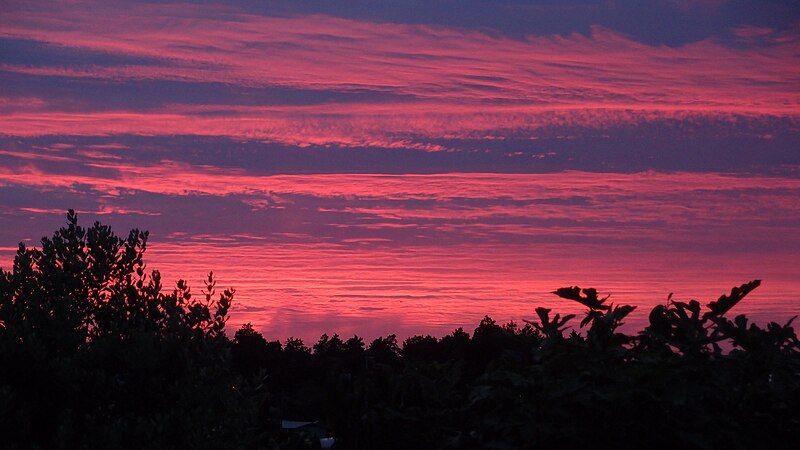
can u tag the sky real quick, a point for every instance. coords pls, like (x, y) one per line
(410, 166)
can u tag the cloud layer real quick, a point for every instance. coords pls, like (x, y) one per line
(375, 166)
(369, 253)
(321, 80)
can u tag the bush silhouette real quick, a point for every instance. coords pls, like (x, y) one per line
(95, 353)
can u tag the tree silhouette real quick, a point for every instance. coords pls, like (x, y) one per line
(96, 353)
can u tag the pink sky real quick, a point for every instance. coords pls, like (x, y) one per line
(372, 170)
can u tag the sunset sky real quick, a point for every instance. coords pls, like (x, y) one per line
(410, 166)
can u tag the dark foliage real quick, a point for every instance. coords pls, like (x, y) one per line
(94, 355)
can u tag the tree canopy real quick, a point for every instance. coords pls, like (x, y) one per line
(96, 353)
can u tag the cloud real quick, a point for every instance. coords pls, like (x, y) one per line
(656, 22)
(205, 200)
(320, 252)
(351, 166)
(322, 80)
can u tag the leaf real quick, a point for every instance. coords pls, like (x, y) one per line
(726, 302)
(588, 299)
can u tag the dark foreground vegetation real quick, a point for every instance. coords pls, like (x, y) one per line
(95, 354)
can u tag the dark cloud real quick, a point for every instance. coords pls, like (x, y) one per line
(92, 94)
(668, 22)
(27, 52)
(738, 144)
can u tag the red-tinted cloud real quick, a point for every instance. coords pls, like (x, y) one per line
(448, 82)
(373, 253)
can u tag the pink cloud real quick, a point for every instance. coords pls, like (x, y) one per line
(681, 199)
(455, 83)
(351, 271)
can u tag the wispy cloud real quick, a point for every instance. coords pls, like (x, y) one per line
(425, 80)
(348, 167)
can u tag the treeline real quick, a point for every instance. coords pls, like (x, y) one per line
(95, 353)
